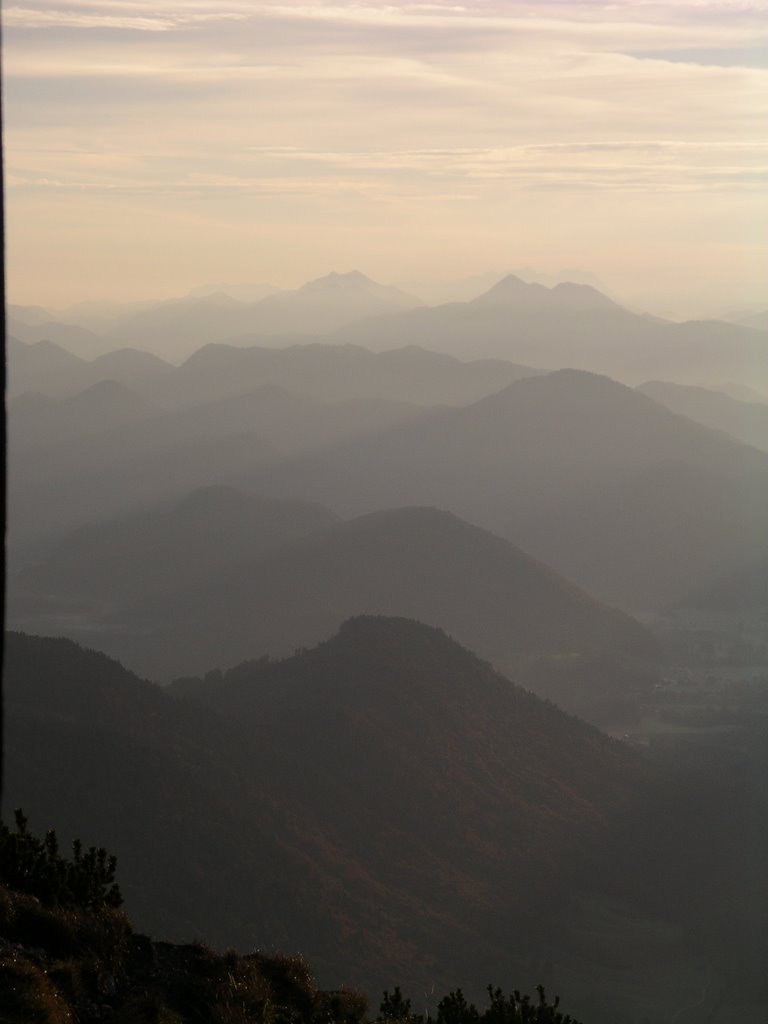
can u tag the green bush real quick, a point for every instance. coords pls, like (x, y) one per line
(35, 866)
(454, 1009)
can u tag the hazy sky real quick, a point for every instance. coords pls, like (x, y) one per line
(149, 152)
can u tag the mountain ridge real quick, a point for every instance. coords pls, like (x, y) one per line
(598, 335)
(421, 563)
(745, 421)
(371, 879)
(568, 447)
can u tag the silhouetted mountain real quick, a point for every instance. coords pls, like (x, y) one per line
(31, 315)
(514, 294)
(132, 367)
(243, 291)
(78, 340)
(390, 806)
(334, 297)
(43, 368)
(743, 393)
(339, 372)
(98, 315)
(50, 370)
(326, 372)
(365, 802)
(155, 556)
(177, 328)
(68, 484)
(572, 325)
(291, 422)
(437, 292)
(634, 503)
(228, 606)
(570, 275)
(35, 420)
(103, 753)
(745, 421)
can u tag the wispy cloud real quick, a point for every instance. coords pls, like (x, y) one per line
(240, 106)
(110, 16)
(746, 56)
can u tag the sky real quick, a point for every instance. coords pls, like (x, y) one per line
(147, 153)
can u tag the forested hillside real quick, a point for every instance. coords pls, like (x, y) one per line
(390, 807)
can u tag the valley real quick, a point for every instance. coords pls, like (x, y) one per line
(466, 661)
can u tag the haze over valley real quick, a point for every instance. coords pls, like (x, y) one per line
(512, 319)
(386, 608)
(298, 532)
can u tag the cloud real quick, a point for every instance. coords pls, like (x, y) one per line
(652, 165)
(721, 56)
(22, 17)
(430, 175)
(137, 17)
(451, 107)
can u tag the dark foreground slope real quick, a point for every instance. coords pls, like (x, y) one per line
(385, 804)
(63, 964)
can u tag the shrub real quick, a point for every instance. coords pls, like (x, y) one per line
(35, 866)
(454, 1009)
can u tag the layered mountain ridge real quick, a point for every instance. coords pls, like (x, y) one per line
(631, 501)
(147, 604)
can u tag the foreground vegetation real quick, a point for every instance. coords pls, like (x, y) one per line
(68, 954)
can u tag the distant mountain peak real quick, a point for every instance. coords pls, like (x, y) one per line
(218, 299)
(354, 278)
(350, 275)
(584, 296)
(513, 283)
(578, 384)
(514, 291)
(519, 294)
(103, 390)
(240, 291)
(46, 345)
(351, 295)
(389, 625)
(32, 315)
(131, 357)
(575, 374)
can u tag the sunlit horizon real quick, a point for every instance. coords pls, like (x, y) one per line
(148, 153)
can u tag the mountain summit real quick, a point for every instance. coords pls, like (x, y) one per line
(636, 504)
(514, 293)
(344, 293)
(384, 802)
(317, 307)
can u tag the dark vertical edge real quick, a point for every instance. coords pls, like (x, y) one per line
(3, 378)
